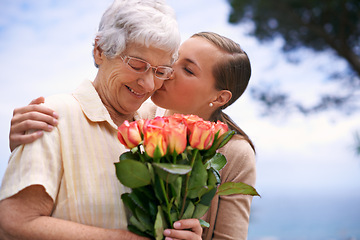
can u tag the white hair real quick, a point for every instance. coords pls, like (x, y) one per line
(145, 22)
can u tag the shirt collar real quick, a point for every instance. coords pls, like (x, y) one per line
(91, 104)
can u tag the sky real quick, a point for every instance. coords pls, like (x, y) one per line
(45, 48)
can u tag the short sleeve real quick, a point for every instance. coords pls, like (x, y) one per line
(37, 163)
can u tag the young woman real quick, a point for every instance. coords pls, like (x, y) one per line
(211, 73)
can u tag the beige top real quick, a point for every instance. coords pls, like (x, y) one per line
(74, 162)
(228, 215)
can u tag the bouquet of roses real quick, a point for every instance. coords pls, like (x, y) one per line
(172, 168)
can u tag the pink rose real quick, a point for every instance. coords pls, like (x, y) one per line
(221, 128)
(129, 134)
(202, 135)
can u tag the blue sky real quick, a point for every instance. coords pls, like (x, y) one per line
(45, 48)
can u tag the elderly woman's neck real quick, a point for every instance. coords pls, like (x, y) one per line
(117, 117)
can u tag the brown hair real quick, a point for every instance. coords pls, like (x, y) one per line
(231, 73)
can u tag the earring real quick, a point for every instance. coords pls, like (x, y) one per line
(211, 104)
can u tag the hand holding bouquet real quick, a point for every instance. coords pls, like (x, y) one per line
(173, 170)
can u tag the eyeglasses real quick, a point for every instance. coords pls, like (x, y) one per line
(141, 66)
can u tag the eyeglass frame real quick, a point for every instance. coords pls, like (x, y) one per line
(148, 66)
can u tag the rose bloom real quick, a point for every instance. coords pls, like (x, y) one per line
(129, 134)
(154, 136)
(202, 135)
(140, 124)
(220, 127)
(191, 120)
(176, 136)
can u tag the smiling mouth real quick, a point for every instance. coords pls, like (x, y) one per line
(135, 93)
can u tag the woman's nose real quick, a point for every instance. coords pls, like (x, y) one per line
(147, 81)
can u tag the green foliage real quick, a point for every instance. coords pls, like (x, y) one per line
(319, 25)
(312, 23)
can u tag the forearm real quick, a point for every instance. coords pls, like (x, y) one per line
(52, 228)
(233, 217)
(26, 215)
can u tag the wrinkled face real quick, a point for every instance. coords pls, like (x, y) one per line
(124, 90)
(192, 86)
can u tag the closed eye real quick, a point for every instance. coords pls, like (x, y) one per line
(188, 71)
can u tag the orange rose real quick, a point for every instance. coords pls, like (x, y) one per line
(221, 128)
(129, 134)
(140, 124)
(176, 136)
(154, 137)
(202, 135)
(190, 120)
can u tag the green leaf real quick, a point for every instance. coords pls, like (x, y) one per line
(204, 223)
(207, 197)
(173, 168)
(144, 218)
(174, 216)
(129, 155)
(158, 189)
(129, 203)
(135, 230)
(200, 210)
(160, 224)
(223, 139)
(189, 210)
(151, 171)
(132, 173)
(176, 190)
(213, 178)
(218, 143)
(229, 188)
(201, 191)
(137, 200)
(146, 191)
(137, 224)
(170, 172)
(198, 178)
(218, 161)
(152, 210)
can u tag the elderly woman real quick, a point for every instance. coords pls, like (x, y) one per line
(63, 186)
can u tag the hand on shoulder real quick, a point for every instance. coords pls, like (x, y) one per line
(34, 116)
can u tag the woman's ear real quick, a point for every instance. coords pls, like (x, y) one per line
(223, 97)
(97, 52)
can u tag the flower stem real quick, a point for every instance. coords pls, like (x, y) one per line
(187, 183)
(168, 207)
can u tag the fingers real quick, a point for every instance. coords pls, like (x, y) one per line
(184, 229)
(33, 120)
(38, 100)
(35, 108)
(18, 139)
(31, 117)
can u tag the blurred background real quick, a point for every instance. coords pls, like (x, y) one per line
(301, 108)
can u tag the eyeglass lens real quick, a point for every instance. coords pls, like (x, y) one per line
(142, 66)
